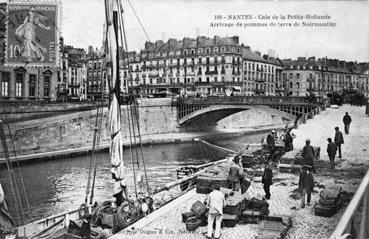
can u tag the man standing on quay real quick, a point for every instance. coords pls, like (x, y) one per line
(308, 154)
(267, 180)
(216, 202)
(347, 121)
(306, 185)
(331, 150)
(338, 140)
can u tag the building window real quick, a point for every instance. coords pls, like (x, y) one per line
(185, 52)
(46, 85)
(199, 51)
(207, 50)
(215, 50)
(19, 84)
(222, 49)
(192, 52)
(32, 85)
(5, 84)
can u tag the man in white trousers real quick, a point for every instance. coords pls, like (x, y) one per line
(215, 202)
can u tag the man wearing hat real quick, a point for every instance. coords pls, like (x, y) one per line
(331, 150)
(306, 184)
(338, 140)
(308, 154)
(271, 143)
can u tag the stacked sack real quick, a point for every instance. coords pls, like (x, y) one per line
(330, 201)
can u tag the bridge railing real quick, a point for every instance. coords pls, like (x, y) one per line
(250, 100)
(355, 221)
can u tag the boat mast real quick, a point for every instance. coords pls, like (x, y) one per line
(112, 74)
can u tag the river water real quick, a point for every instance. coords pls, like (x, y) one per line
(58, 185)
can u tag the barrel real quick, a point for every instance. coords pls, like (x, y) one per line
(198, 208)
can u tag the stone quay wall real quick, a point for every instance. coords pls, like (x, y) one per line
(75, 130)
(158, 121)
(16, 111)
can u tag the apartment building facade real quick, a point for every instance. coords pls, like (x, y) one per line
(261, 75)
(189, 66)
(322, 76)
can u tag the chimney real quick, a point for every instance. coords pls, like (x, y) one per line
(159, 44)
(186, 41)
(148, 44)
(301, 58)
(216, 40)
(266, 57)
(236, 39)
(311, 59)
(258, 52)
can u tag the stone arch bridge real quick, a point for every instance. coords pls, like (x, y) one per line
(209, 110)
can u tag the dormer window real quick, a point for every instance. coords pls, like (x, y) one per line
(185, 52)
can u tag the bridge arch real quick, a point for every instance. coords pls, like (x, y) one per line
(211, 114)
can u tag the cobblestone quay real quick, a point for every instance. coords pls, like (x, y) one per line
(348, 173)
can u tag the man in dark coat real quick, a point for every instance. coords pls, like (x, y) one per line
(308, 154)
(288, 141)
(331, 150)
(338, 140)
(306, 185)
(85, 232)
(271, 143)
(267, 180)
(347, 121)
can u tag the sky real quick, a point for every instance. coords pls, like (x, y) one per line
(82, 25)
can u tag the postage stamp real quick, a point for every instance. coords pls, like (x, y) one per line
(32, 33)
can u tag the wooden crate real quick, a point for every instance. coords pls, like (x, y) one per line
(230, 220)
(284, 168)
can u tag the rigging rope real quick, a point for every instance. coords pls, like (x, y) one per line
(123, 37)
(18, 167)
(134, 101)
(98, 142)
(138, 19)
(17, 201)
(93, 154)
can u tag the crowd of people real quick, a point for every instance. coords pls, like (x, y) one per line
(216, 199)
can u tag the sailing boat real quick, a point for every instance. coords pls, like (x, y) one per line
(113, 214)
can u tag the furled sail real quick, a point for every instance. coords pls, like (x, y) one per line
(112, 74)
